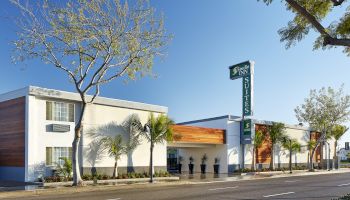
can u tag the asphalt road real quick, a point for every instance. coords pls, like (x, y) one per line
(306, 187)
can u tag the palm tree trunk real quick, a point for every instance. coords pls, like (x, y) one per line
(335, 153)
(272, 165)
(290, 157)
(115, 170)
(253, 161)
(151, 170)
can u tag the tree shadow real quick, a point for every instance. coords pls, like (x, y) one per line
(97, 151)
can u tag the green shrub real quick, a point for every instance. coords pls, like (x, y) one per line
(87, 177)
(346, 197)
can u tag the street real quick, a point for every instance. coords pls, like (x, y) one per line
(307, 187)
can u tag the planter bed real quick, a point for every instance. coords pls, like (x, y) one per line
(112, 181)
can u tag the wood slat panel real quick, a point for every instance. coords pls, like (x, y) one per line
(263, 154)
(199, 135)
(12, 129)
(314, 136)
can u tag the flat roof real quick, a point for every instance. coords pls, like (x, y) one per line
(237, 118)
(71, 96)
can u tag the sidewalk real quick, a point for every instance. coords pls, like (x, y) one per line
(185, 179)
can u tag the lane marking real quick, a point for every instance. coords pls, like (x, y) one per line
(223, 188)
(280, 194)
(292, 181)
(114, 199)
(343, 184)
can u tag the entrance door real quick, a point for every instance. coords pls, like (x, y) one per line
(172, 159)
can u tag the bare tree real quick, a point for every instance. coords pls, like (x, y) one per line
(93, 42)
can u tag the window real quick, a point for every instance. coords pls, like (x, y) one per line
(53, 155)
(59, 111)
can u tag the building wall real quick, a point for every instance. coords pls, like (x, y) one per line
(212, 152)
(39, 137)
(101, 115)
(12, 139)
(231, 149)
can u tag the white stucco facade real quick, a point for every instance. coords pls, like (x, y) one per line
(232, 150)
(38, 136)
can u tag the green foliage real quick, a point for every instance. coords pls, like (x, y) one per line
(180, 159)
(345, 197)
(338, 131)
(115, 146)
(291, 144)
(258, 139)
(324, 108)
(276, 132)
(204, 159)
(66, 169)
(159, 129)
(191, 159)
(309, 15)
(110, 38)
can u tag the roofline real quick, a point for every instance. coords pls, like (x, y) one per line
(228, 117)
(236, 118)
(71, 96)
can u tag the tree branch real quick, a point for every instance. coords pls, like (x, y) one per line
(337, 2)
(328, 39)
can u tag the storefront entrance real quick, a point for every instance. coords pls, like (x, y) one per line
(172, 154)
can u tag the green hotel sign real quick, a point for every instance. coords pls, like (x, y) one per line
(245, 70)
(240, 70)
(247, 127)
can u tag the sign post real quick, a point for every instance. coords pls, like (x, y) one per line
(245, 70)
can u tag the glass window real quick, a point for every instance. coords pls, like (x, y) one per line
(59, 111)
(53, 155)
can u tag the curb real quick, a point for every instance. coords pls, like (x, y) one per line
(115, 181)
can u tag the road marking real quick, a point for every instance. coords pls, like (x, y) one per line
(280, 194)
(223, 188)
(343, 184)
(114, 199)
(292, 181)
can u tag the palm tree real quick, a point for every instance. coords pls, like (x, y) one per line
(310, 146)
(124, 141)
(157, 130)
(293, 146)
(276, 132)
(337, 132)
(258, 140)
(116, 147)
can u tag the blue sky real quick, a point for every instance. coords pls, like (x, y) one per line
(193, 79)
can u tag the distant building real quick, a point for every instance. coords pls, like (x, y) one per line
(343, 154)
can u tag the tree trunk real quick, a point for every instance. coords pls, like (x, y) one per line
(115, 170)
(253, 161)
(77, 180)
(335, 154)
(321, 154)
(290, 157)
(151, 170)
(272, 164)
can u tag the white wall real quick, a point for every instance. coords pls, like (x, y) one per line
(99, 115)
(37, 138)
(197, 154)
